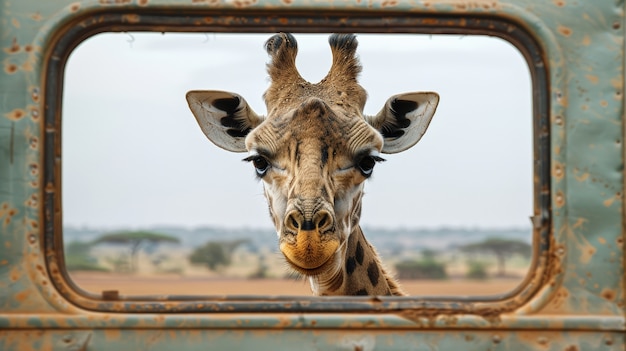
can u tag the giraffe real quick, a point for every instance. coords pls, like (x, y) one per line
(313, 151)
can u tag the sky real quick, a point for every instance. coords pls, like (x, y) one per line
(133, 155)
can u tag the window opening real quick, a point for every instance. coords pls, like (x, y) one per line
(152, 207)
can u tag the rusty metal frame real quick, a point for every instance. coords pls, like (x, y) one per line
(80, 28)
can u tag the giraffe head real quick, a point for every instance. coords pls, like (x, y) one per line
(314, 149)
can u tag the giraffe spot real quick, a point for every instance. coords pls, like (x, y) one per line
(372, 273)
(361, 292)
(359, 253)
(350, 265)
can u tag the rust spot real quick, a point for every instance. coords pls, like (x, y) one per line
(558, 171)
(604, 103)
(75, 7)
(10, 68)
(4, 262)
(36, 16)
(559, 3)
(28, 48)
(565, 31)
(496, 339)
(131, 18)
(608, 202)
(608, 294)
(287, 2)
(616, 25)
(244, 3)
(15, 274)
(16, 114)
(33, 142)
(21, 296)
(586, 40)
(571, 348)
(593, 79)
(14, 48)
(389, 3)
(142, 2)
(34, 169)
(559, 199)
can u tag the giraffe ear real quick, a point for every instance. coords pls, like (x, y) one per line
(225, 118)
(404, 119)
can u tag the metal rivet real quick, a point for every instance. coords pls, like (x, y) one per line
(34, 113)
(559, 199)
(496, 339)
(558, 171)
(558, 120)
(560, 251)
(32, 238)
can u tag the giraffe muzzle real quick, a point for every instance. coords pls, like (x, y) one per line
(309, 251)
(314, 242)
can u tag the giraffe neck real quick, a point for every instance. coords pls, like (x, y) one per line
(361, 273)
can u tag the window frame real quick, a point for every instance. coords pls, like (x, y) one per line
(81, 28)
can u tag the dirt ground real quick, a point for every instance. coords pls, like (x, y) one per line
(175, 285)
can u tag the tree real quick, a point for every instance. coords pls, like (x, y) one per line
(215, 253)
(421, 269)
(78, 258)
(136, 240)
(428, 267)
(501, 248)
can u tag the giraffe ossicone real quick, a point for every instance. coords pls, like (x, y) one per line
(313, 151)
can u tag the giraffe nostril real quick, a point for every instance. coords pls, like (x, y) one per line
(324, 221)
(295, 223)
(321, 222)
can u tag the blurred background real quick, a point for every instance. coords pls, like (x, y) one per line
(150, 206)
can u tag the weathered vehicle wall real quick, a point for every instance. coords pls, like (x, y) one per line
(572, 300)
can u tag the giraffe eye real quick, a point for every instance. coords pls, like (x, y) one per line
(261, 165)
(367, 163)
